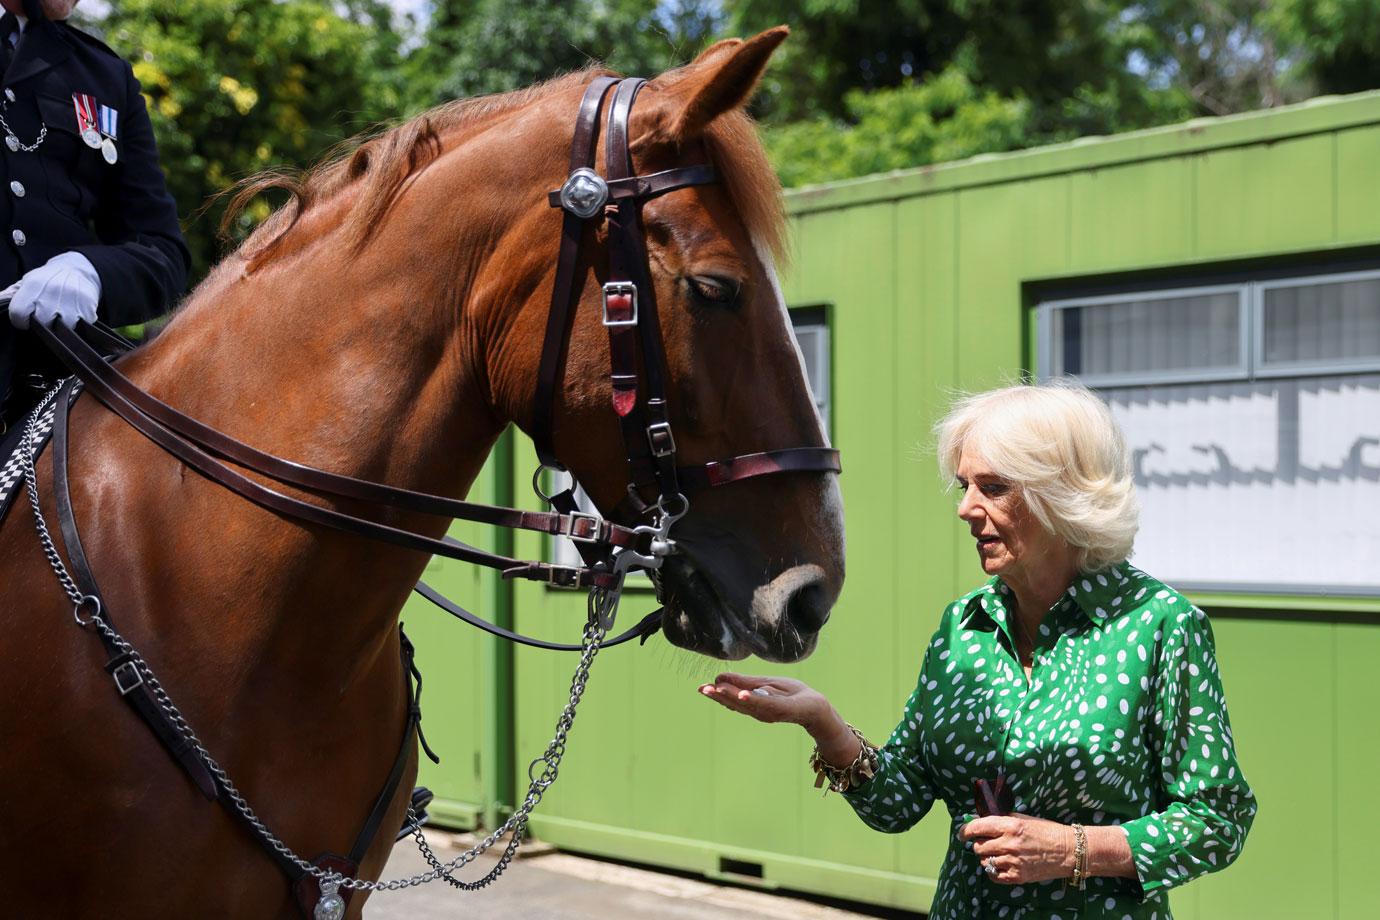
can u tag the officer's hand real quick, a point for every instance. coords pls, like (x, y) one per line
(65, 288)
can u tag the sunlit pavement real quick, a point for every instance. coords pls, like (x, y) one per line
(551, 885)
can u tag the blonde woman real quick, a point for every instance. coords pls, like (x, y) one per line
(1069, 711)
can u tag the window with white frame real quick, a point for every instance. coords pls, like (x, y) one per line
(1252, 412)
(811, 328)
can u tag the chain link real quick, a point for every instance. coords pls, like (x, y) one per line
(20, 145)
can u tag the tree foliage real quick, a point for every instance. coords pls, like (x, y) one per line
(486, 46)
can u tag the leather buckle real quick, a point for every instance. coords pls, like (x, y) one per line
(660, 439)
(563, 576)
(127, 678)
(596, 527)
(620, 289)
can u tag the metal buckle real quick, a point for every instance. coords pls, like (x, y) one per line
(584, 193)
(563, 576)
(656, 431)
(595, 531)
(619, 289)
(126, 686)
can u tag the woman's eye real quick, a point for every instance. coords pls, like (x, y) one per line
(994, 489)
(717, 291)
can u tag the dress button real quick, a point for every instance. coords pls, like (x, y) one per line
(18, 188)
(9, 95)
(19, 238)
(11, 142)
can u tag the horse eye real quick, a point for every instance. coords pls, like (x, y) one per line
(716, 291)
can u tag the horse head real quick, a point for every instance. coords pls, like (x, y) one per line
(760, 562)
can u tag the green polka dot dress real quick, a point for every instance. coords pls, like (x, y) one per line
(1122, 722)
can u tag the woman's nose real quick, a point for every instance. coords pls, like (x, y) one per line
(968, 507)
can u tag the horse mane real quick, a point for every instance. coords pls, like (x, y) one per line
(378, 165)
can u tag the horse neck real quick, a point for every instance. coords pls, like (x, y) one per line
(373, 365)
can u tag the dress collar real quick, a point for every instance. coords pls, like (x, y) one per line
(1100, 595)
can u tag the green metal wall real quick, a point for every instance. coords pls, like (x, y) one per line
(929, 278)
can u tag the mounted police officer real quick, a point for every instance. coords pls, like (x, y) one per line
(87, 227)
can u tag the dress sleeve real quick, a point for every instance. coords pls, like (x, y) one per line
(1208, 805)
(902, 791)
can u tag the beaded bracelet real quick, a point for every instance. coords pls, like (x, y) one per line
(862, 769)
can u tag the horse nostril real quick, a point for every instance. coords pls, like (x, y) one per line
(808, 609)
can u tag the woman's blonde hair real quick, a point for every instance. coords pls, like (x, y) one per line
(1059, 445)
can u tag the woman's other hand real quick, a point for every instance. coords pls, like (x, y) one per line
(1020, 848)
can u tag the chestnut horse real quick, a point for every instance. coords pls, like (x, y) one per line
(387, 326)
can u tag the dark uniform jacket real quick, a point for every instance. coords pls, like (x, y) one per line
(65, 197)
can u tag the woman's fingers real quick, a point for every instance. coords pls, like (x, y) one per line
(745, 681)
(760, 703)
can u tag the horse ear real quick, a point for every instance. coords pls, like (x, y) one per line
(721, 79)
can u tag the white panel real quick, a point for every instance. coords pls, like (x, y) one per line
(1274, 484)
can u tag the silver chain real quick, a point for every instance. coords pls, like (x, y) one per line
(9, 132)
(602, 605)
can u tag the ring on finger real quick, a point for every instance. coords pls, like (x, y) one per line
(988, 866)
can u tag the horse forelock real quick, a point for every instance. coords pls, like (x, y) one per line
(742, 166)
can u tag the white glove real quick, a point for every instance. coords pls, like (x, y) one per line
(65, 288)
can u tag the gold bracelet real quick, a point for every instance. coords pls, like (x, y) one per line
(1080, 857)
(862, 769)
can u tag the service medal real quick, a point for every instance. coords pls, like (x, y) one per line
(110, 127)
(86, 119)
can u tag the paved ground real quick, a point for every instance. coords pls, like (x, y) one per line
(550, 885)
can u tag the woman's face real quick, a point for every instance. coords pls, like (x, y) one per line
(1009, 538)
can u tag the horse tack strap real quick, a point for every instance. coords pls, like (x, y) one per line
(121, 669)
(101, 380)
(652, 185)
(644, 630)
(748, 466)
(562, 294)
(130, 684)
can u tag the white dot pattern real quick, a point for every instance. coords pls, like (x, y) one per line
(1123, 721)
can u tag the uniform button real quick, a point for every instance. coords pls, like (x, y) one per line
(19, 238)
(9, 94)
(11, 142)
(18, 188)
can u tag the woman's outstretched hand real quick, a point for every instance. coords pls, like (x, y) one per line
(769, 699)
(781, 699)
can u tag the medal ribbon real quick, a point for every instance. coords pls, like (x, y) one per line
(109, 121)
(86, 112)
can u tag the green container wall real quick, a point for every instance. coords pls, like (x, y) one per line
(929, 277)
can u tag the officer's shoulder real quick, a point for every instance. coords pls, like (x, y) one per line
(87, 41)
